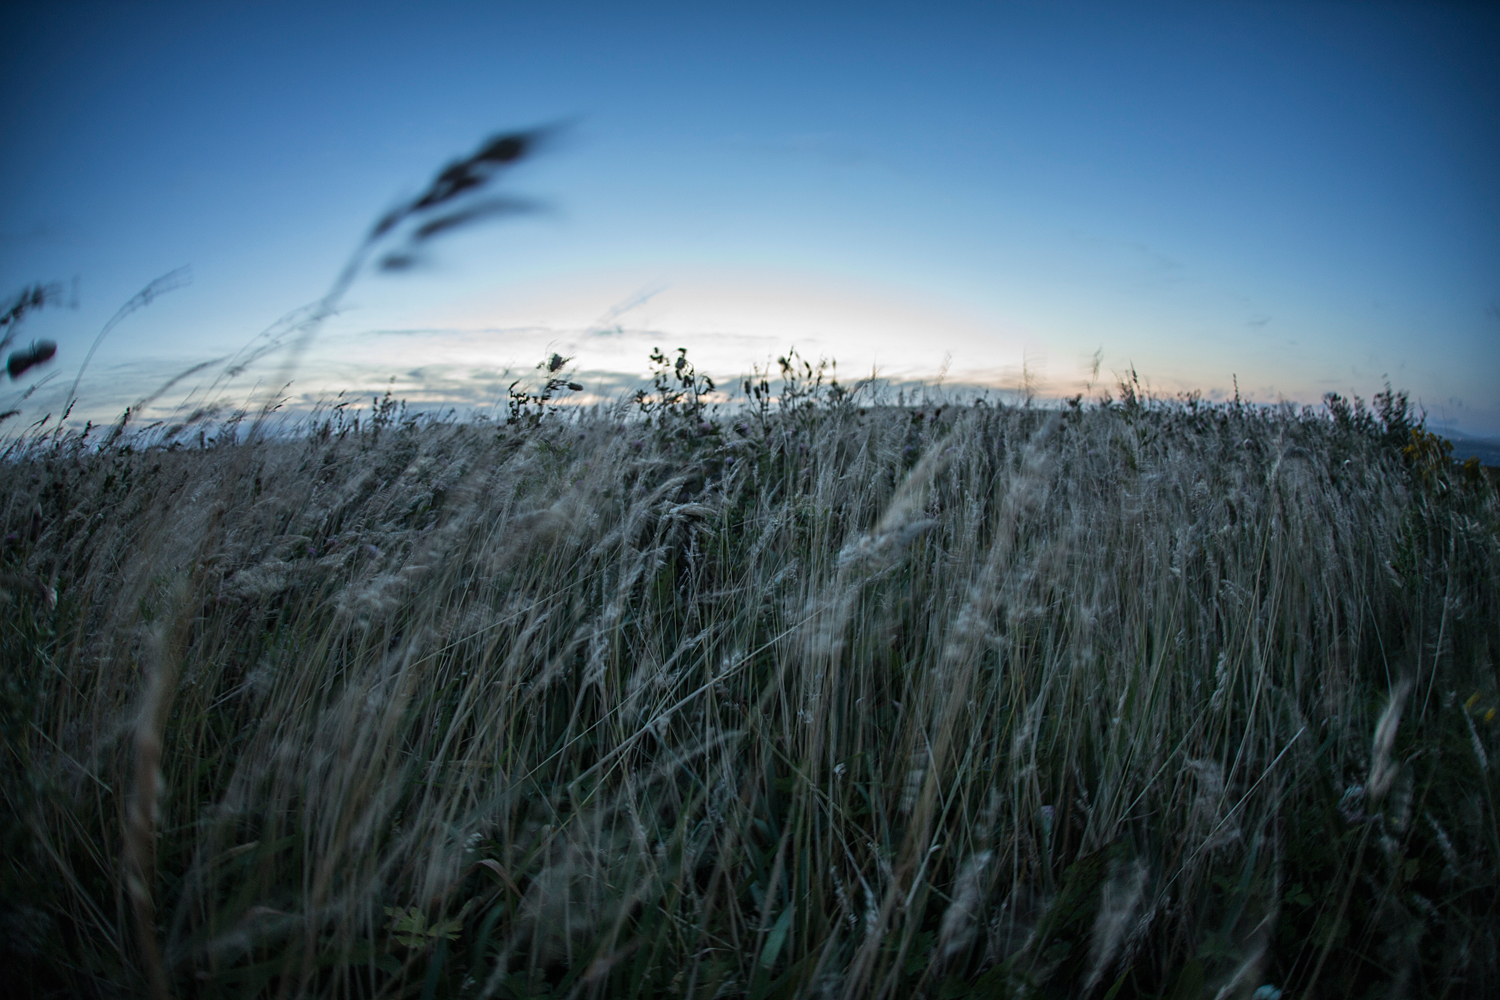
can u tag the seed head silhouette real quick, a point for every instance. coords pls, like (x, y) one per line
(39, 352)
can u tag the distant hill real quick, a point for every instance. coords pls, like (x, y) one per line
(1486, 450)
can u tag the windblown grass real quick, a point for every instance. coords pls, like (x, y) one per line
(1132, 698)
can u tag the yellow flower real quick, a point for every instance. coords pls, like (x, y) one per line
(1469, 705)
(1489, 716)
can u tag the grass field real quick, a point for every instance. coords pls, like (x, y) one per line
(825, 697)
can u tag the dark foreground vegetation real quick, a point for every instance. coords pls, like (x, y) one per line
(827, 697)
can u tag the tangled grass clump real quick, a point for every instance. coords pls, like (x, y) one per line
(1132, 698)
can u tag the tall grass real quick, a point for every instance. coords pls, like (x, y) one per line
(818, 699)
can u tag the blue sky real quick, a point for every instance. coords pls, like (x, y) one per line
(1303, 197)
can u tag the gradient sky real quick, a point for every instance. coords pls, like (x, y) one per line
(1305, 197)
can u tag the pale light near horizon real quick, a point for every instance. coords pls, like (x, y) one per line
(1300, 198)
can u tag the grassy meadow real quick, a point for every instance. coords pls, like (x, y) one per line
(834, 695)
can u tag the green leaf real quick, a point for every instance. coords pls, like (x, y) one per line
(1189, 981)
(776, 938)
(920, 952)
(434, 970)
